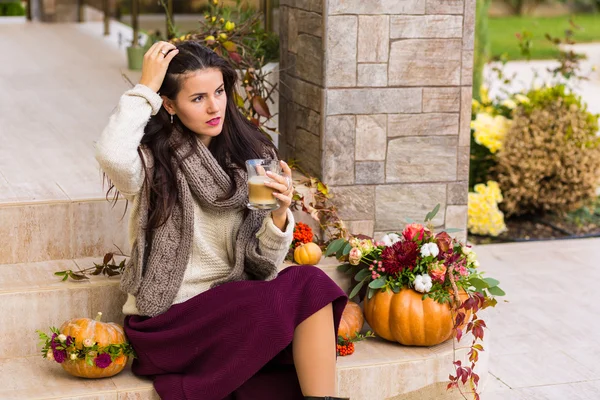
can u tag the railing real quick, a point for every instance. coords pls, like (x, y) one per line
(266, 7)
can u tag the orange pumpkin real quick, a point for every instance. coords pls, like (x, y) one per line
(308, 254)
(405, 318)
(352, 321)
(103, 333)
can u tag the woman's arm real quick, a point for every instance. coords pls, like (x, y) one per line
(116, 150)
(274, 243)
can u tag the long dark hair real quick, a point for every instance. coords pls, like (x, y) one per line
(239, 140)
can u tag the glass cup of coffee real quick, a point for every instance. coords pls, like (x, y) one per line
(260, 196)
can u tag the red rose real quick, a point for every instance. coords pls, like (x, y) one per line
(444, 241)
(414, 231)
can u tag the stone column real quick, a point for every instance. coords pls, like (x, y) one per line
(376, 100)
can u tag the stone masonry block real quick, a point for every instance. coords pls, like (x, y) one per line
(467, 68)
(425, 62)
(426, 26)
(355, 202)
(338, 144)
(310, 51)
(308, 151)
(458, 193)
(445, 6)
(370, 172)
(374, 101)
(422, 159)
(456, 217)
(376, 7)
(422, 124)
(469, 25)
(464, 154)
(310, 22)
(342, 32)
(373, 75)
(292, 27)
(371, 137)
(308, 119)
(466, 95)
(307, 94)
(361, 227)
(373, 38)
(307, 5)
(395, 203)
(441, 99)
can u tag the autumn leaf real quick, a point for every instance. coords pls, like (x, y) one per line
(260, 105)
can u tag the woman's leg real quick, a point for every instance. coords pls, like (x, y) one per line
(314, 348)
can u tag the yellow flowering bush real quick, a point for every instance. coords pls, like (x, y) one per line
(484, 216)
(490, 131)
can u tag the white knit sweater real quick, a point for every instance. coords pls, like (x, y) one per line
(212, 256)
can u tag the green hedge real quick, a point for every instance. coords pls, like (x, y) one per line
(11, 9)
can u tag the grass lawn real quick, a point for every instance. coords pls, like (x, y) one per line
(502, 34)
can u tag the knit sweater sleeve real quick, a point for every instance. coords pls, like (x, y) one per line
(272, 242)
(116, 150)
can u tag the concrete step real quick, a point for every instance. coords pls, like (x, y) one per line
(377, 370)
(61, 230)
(32, 298)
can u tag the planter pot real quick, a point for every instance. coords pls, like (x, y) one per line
(405, 318)
(135, 57)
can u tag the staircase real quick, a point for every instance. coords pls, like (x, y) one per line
(43, 238)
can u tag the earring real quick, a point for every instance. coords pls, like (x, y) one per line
(171, 119)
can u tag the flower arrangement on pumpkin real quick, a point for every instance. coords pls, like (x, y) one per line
(75, 347)
(418, 265)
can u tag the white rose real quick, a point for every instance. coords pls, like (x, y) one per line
(50, 355)
(73, 356)
(471, 257)
(390, 239)
(423, 283)
(466, 250)
(476, 264)
(62, 337)
(430, 249)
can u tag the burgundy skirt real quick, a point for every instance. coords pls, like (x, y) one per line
(234, 341)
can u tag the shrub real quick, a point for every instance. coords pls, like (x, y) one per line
(551, 156)
(11, 9)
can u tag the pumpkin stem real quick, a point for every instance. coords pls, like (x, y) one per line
(99, 316)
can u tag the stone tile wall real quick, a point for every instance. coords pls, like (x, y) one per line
(376, 99)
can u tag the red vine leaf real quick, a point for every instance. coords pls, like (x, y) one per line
(261, 107)
(459, 334)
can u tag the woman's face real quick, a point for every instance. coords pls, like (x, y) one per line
(201, 103)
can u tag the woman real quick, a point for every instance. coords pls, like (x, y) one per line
(207, 312)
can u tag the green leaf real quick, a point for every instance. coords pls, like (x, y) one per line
(491, 282)
(357, 288)
(347, 249)
(362, 274)
(396, 289)
(479, 284)
(433, 213)
(239, 101)
(370, 293)
(496, 291)
(378, 283)
(334, 247)
(344, 267)
(60, 273)
(409, 220)
(453, 230)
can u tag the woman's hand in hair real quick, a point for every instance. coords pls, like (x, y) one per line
(156, 62)
(284, 186)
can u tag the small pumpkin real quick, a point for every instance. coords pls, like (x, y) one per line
(405, 318)
(308, 254)
(352, 321)
(104, 334)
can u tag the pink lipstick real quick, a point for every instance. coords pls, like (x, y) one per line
(214, 121)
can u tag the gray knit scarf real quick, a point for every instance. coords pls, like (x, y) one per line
(154, 272)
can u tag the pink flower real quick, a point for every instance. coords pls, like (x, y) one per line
(438, 272)
(103, 360)
(463, 270)
(413, 231)
(354, 256)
